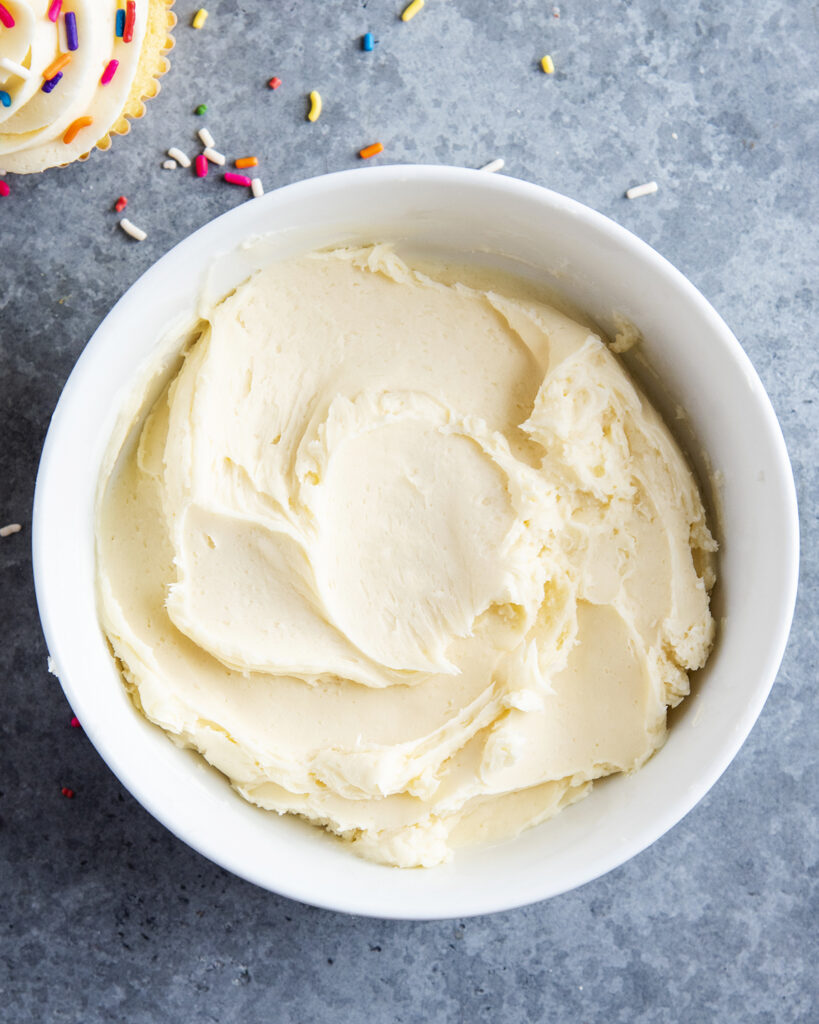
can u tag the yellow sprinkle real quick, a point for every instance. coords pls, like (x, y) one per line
(412, 10)
(315, 107)
(548, 65)
(200, 18)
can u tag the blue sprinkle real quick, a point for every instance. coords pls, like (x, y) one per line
(71, 36)
(368, 42)
(5, 99)
(120, 23)
(49, 84)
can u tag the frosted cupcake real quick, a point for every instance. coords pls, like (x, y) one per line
(72, 73)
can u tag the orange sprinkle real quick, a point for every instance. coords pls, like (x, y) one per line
(246, 161)
(372, 150)
(75, 128)
(56, 66)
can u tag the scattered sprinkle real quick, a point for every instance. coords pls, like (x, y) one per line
(73, 130)
(120, 25)
(274, 82)
(71, 37)
(411, 10)
(54, 10)
(315, 107)
(548, 65)
(181, 158)
(4, 191)
(68, 793)
(372, 150)
(7, 531)
(638, 191)
(246, 161)
(555, 12)
(5, 98)
(6, 16)
(200, 18)
(120, 204)
(130, 19)
(238, 179)
(51, 82)
(110, 71)
(367, 42)
(15, 68)
(214, 156)
(75, 722)
(206, 137)
(169, 165)
(201, 164)
(56, 66)
(133, 230)
(200, 110)
(493, 165)
(256, 188)
(52, 668)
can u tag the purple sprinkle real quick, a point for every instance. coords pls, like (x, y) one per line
(71, 31)
(49, 84)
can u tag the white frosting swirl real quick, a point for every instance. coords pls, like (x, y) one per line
(33, 125)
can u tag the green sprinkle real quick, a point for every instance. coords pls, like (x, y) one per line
(201, 109)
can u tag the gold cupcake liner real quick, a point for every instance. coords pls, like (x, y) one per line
(153, 63)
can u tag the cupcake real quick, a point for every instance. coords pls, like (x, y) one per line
(72, 74)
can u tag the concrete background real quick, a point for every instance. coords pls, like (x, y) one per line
(104, 915)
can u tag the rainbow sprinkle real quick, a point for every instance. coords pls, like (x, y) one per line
(201, 109)
(201, 164)
(4, 191)
(246, 161)
(49, 84)
(54, 10)
(5, 98)
(6, 16)
(274, 82)
(118, 31)
(57, 65)
(110, 71)
(409, 12)
(75, 128)
(130, 18)
(367, 42)
(200, 18)
(238, 179)
(16, 69)
(72, 39)
(372, 150)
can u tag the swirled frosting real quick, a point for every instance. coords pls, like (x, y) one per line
(32, 126)
(414, 560)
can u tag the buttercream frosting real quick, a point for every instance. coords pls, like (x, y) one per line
(32, 126)
(415, 560)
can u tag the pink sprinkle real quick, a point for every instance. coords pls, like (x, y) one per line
(4, 189)
(54, 10)
(75, 722)
(201, 164)
(238, 179)
(6, 16)
(110, 71)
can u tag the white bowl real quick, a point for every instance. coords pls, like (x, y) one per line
(605, 270)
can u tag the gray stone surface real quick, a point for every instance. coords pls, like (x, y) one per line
(105, 916)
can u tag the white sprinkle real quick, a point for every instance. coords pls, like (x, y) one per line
(7, 531)
(133, 230)
(179, 156)
(493, 165)
(207, 139)
(673, 135)
(256, 188)
(214, 157)
(52, 666)
(169, 165)
(15, 68)
(648, 189)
